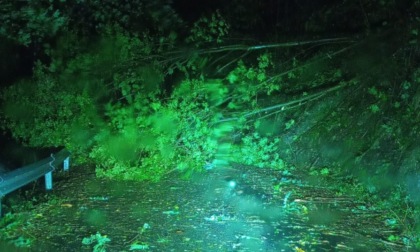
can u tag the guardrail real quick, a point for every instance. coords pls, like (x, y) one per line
(15, 179)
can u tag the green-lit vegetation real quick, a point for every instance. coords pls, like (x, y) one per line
(99, 241)
(140, 94)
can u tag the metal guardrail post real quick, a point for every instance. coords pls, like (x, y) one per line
(48, 181)
(66, 164)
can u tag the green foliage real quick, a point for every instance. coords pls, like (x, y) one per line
(260, 151)
(40, 21)
(130, 155)
(139, 246)
(41, 113)
(154, 138)
(399, 213)
(59, 105)
(148, 138)
(31, 22)
(132, 15)
(139, 135)
(93, 62)
(123, 146)
(248, 82)
(99, 240)
(11, 226)
(194, 143)
(209, 30)
(320, 172)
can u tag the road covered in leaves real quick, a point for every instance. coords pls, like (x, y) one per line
(237, 209)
